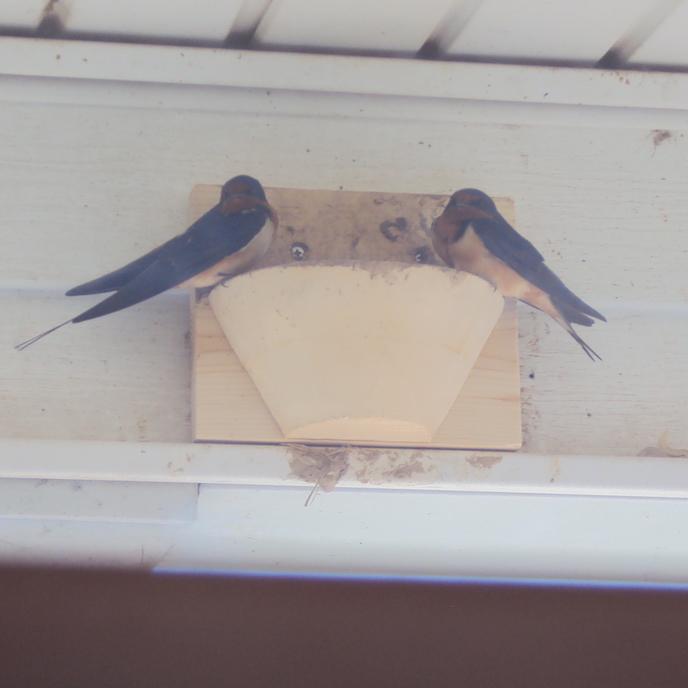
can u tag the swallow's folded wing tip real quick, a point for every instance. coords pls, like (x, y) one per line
(101, 285)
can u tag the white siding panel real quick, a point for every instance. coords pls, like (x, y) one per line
(122, 378)
(98, 501)
(668, 45)
(184, 19)
(393, 532)
(607, 207)
(547, 29)
(352, 24)
(635, 398)
(446, 534)
(630, 94)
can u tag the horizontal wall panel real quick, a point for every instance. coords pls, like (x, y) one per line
(98, 501)
(632, 94)
(633, 401)
(130, 380)
(106, 200)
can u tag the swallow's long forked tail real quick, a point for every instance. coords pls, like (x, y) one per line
(565, 315)
(591, 353)
(568, 313)
(28, 342)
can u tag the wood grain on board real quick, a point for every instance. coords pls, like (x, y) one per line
(329, 225)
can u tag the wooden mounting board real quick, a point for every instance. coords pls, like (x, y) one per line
(227, 407)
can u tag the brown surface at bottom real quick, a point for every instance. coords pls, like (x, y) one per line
(95, 629)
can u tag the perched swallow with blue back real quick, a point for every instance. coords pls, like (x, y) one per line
(225, 241)
(471, 235)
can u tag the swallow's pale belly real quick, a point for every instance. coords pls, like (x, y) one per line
(236, 262)
(470, 254)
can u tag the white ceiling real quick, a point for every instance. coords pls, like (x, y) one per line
(621, 33)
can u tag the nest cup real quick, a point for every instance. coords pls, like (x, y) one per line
(368, 351)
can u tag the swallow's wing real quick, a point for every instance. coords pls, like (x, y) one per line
(118, 278)
(213, 237)
(504, 242)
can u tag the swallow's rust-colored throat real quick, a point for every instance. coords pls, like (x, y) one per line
(236, 203)
(448, 226)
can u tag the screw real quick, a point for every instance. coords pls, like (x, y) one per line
(421, 254)
(299, 250)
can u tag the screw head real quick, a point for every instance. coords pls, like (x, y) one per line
(421, 254)
(299, 250)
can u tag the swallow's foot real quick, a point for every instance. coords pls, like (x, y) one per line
(226, 275)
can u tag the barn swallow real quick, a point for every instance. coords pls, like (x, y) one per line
(227, 240)
(471, 235)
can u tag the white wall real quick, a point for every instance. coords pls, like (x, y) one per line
(93, 173)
